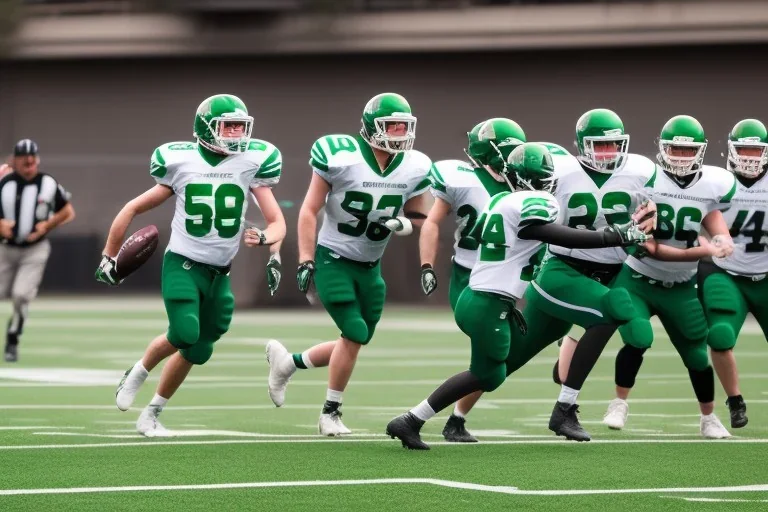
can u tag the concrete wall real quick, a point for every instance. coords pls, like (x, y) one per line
(97, 122)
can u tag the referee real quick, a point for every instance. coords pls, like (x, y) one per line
(32, 203)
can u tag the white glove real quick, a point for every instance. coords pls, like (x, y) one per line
(401, 226)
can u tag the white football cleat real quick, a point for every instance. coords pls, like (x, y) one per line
(711, 428)
(330, 425)
(148, 424)
(281, 369)
(616, 415)
(129, 385)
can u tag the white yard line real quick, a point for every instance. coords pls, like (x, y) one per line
(379, 481)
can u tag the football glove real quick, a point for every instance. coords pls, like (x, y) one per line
(107, 271)
(274, 273)
(304, 275)
(628, 234)
(428, 279)
(399, 225)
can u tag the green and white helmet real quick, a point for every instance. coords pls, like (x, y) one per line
(682, 144)
(494, 141)
(381, 112)
(471, 139)
(601, 140)
(213, 115)
(533, 167)
(748, 148)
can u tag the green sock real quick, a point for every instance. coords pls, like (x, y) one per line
(299, 362)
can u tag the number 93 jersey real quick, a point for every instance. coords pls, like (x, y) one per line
(503, 257)
(746, 221)
(211, 198)
(361, 194)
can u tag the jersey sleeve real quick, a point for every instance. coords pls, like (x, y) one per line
(422, 170)
(162, 164)
(725, 189)
(540, 208)
(269, 162)
(331, 154)
(61, 198)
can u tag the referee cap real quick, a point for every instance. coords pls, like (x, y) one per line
(25, 147)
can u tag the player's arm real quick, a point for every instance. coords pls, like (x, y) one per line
(274, 233)
(429, 241)
(150, 199)
(313, 202)
(645, 216)
(617, 235)
(417, 208)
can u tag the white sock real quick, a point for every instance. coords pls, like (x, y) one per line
(158, 401)
(457, 412)
(423, 411)
(707, 416)
(139, 371)
(568, 395)
(333, 396)
(306, 360)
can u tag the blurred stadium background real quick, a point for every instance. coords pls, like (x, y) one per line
(100, 83)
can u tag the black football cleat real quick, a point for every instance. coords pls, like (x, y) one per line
(455, 430)
(564, 422)
(738, 410)
(11, 353)
(406, 428)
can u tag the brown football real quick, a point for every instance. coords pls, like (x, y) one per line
(136, 251)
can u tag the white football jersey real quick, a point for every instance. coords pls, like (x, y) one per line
(362, 194)
(593, 200)
(503, 257)
(468, 191)
(680, 212)
(211, 198)
(746, 221)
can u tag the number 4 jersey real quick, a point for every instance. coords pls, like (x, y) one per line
(362, 194)
(211, 198)
(746, 221)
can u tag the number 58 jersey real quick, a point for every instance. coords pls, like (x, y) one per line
(211, 197)
(362, 194)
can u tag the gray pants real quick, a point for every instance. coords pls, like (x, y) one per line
(21, 270)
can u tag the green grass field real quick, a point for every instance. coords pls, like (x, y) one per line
(65, 446)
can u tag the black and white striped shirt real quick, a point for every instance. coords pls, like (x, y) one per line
(29, 202)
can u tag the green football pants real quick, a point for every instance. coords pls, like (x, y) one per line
(459, 281)
(199, 304)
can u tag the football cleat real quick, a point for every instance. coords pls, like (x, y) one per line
(711, 428)
(281, 369)
(738, 410)
(129, 385)
(11, 353)
(148, 424)
(330, 424)
(616, 415)
(455, 430)
(564, 422)
(406, 428)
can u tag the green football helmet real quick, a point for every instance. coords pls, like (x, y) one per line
(213, 115)
(496, 138)
(381, 113)
(682, 144)
(601, 127)
(533, 168)
(472, 138)
(748, 148)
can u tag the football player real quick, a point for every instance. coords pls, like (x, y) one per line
(510, 231)
(737, 284)
(603, 185)
(689, 195)
(465, 189)
(364, 182)
(211, 179)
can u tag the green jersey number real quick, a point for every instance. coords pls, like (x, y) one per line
(225, 215)
(359, 205)
(465, 241)
(587, 202)
(494, 240)
(752, 228)
(672, 224)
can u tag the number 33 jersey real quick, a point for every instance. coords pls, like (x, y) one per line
(746, 221)
(211, 198)
(362, 194)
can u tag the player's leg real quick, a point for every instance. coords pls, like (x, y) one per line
(484, 318)
(26, 283)
(565, 355)
(459, 281)
(9, 260)
(725, 308)
(683, 318)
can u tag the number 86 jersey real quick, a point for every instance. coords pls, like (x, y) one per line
(361, 193)
(211, 196)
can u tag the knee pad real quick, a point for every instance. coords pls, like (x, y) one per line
(718, 294)
(696, 358)
(721, 337)
(493, 378)
(184, 331)
(355, 329)
(638, 333)
(199, 353)
(617, 305)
